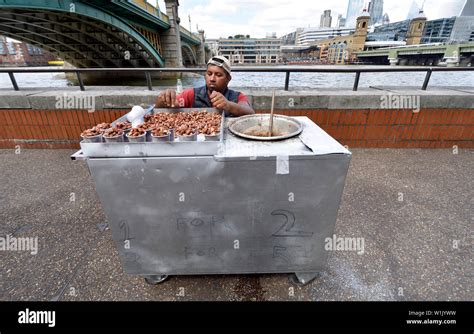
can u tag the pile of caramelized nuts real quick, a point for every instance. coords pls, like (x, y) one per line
(136, 132)
(90, 132)
(187, 123)
(113, 132)
(184, 123)
(159, 131)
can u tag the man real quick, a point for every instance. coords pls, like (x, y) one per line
(214, 94)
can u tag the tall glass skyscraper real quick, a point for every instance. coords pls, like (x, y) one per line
(463, 30)
(354, 9)
(468, 9)
(376, 11)
(449, 8)
(413, 11)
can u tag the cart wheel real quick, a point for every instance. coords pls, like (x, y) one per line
(298, 281)
(155, 279)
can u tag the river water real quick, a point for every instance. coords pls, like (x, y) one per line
(271, 80)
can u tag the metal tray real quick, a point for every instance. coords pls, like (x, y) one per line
(248, 126)
(201, 147)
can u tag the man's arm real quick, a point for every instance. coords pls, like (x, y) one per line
(167, 99)
(240, 109)
(237, 109)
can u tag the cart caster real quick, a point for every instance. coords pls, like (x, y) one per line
(302, 279)
(155, 279)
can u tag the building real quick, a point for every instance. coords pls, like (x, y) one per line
(463, 30)
(213, 45)
(15, 53)
(444, 30)
(309, 36)
(291, 38)
(453, 7)
(376, 12)
(299, 54)
(438, 31)
(354, 8)
(416, 28)
(340, 50)
(413, 11)
(341, 21)
(468, 9)
(395, 31)
(250, 50)
(326, 19)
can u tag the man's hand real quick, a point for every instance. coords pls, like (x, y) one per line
(219, 101)
(167, 99)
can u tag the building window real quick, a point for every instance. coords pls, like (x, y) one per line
(11, 48)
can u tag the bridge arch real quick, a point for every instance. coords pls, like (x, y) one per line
(189, 56)
(81, 34)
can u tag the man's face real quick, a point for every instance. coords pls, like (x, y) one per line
(217, 78)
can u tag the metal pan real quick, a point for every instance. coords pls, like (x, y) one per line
(256, 127)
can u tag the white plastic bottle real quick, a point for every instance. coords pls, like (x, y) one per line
(179, 87)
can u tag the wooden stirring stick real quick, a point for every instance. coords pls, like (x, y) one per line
(271, 114)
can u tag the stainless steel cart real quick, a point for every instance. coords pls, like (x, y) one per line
(227, 207)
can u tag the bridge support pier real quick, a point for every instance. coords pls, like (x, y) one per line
(452, 61)
(201, 52)
(393, 61)
(171, 39)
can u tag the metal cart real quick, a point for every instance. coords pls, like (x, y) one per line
(232, 206)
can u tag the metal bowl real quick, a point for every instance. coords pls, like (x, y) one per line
(115, 139)
(157, 139)
(256, 127)
(137, 139)
(92, 139)
(192, 137)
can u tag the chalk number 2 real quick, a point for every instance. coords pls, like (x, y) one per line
(286, 229)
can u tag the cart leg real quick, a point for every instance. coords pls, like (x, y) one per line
(302, 279)
(155, 279)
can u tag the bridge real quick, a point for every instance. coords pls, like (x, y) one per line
(104, 33)
(421, 54)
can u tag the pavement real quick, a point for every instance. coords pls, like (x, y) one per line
(413, 207)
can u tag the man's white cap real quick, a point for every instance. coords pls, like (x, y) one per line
(220, 61)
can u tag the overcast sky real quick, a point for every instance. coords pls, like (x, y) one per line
(220, 18)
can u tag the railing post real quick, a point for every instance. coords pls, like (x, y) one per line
(287, 80)
(356, 81)
(148, 80)
(427, 79)
(79, 79)
(13, 80)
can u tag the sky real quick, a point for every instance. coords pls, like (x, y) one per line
(220, 18)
